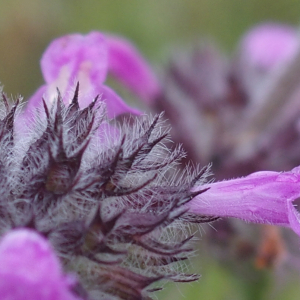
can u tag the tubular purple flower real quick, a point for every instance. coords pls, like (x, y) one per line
(262, 197)
(87, 59)
(30, 269)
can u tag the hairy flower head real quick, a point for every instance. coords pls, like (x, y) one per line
(106, 196)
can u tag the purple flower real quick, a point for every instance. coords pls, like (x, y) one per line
(30, 269)
(266, 45)
(87, 59)
(262, 197)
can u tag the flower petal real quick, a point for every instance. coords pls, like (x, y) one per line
(130, 68)
(73, 58)
(114, 104)
(30, 269)
(262, 197)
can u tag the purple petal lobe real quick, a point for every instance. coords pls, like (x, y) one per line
(70, 56)
(30, 269)
(130, 68)
(262, 197)
(114, 104)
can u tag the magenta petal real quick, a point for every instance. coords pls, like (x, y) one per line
(130, 68)
(114, 104)
(30, 270)
(71, 57)
(262, 197)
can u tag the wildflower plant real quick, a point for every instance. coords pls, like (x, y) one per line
(96, 193)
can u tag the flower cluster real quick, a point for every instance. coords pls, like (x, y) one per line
(240, 114)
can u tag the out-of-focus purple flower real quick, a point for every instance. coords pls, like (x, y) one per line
(264, 51)
(88, 59)
(268, 44)
(262, 197)
(30, 269)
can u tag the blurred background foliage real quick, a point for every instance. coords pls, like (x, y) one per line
(156, 27)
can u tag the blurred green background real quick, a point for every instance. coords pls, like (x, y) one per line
(27, 26)
(156, 27)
